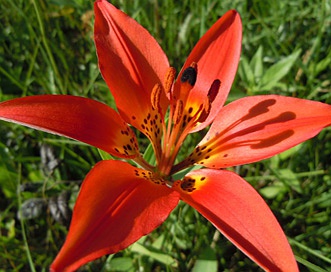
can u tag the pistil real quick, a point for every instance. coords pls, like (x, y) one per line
(184, 113)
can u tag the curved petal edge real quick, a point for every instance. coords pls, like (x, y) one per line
(239, 212)
(79, 118)
(114, 208)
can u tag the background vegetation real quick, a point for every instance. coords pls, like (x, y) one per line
(47, 48)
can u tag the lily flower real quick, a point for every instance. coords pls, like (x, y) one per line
(118, 202)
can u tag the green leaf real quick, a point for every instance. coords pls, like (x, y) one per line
(104, 155)
(149, 155)
(119, 264)
(289, 178)
(206, 261)
(8, 173)
(312, 267)
(277, 71)
(273, 191)
(322, 65)
(290, 152)
(257, 63)
(179, 175)
(155, 254)
(246, 72)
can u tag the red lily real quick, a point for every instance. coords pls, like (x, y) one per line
(118, 203)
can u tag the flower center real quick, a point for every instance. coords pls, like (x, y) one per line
(186, 109)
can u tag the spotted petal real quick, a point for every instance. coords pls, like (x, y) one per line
(115, 207)
(258, 127)
(239, 212)
(130, 60)
(217, 55)
(79, 118)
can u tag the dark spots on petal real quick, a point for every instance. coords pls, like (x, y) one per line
(129, 147)
(188, 185)
(125, 132)
(149, 176)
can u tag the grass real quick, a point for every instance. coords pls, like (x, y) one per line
(47, 48)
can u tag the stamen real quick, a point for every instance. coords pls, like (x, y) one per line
(205, 112)
(184, 85)
(169, 80)
(189, 75)
(156, 96)
(178, 112)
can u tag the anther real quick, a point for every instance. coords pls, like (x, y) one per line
(156, 96)
(189, 75)
(169, 79)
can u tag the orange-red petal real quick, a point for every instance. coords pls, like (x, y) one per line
(258, 127)
(217, 55)
(115, 207)
(130, 60)
(79, 118)
(239, 212)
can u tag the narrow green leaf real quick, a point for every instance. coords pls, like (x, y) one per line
(104, 155)
(273, 191)
(323, 64)
(257, 63)
(277, 71)
(8, 176)
(313, 252)
(206, 261)
(312, 267)
(149, 155)
(246, 72)
(119, 264)
(155, 254)
(182, 173)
